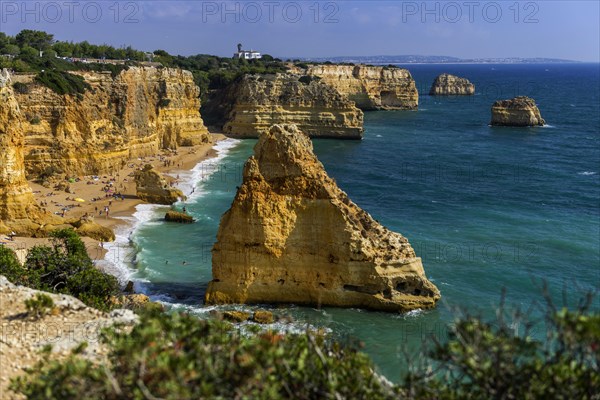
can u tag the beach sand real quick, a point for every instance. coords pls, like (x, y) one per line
(91, 189)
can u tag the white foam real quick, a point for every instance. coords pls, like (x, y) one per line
(587, 173)
(120, 256)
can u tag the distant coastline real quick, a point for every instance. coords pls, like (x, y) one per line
(417, 59)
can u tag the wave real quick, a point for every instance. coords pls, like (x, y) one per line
(587, 173)
(121, 254)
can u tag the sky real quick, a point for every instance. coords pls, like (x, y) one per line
(463, 28)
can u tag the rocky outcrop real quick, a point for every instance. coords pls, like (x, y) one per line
(370, 87)
(134, 114)
(69, 324)
(519, 111)
(19, 211)
(176, 216)
(254, 103)
(151, 187)
(451, 85)
(292, 236)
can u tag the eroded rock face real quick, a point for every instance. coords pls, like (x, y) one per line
(370, 87)
(292, 236)
(19, 211)
(134, 114)
(68, 325)
(519, 111)
(152, 188)
(451, 85)
(255, 103)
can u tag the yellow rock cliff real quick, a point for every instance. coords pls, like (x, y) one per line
(370, 87)
(136, 113)
(19, 212)
(258, 102)
(292, 236)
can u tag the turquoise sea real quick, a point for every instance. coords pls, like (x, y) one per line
(486, 208)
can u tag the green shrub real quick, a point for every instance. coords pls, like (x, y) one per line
(20, 87)
(39, 305)
(177, 356)
(35, 120)
(484, 360)
(62, 82)
(10, 266)
(164, 103)
(307, 79)
(65, 267)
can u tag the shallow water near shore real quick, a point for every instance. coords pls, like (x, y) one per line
(486, 208)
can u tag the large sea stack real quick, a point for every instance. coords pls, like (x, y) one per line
(450, 85)
(519, 111)
(292, 236)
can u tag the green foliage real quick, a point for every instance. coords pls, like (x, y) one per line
(307, 79)
(62, 82)
(490, 360)
(35, 39)
(65, 267)
(176, 356)
(39, 306)
(20, 87)
(9, 265)
(164, 103)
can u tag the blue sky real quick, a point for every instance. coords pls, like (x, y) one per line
(467, 29)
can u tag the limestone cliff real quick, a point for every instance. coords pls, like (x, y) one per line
(134, 114)
(451, 85)
(292, 236)
(254, 103)
(18, 208)
(152, 188)
(370, 87)
(519, 111)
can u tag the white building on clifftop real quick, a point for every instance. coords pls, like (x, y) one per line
(247, 55)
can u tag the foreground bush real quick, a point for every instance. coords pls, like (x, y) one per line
(65, 267)
(179, 357)
(491, 361)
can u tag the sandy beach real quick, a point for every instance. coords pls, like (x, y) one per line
(97, 193)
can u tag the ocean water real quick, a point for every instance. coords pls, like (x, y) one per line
(486, 208)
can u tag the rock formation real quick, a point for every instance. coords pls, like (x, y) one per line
(292, 236)
(19, 211)
(176, 216)
(370, 87)
(134, 114)
(450, 85)
(68, 325)
(519, 111)
(152, 188)
(254, 103)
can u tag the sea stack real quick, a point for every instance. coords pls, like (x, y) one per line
(519, 111)
(152, 188)
(292, 236)
(450, 85)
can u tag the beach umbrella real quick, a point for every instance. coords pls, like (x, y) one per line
(80, 200)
